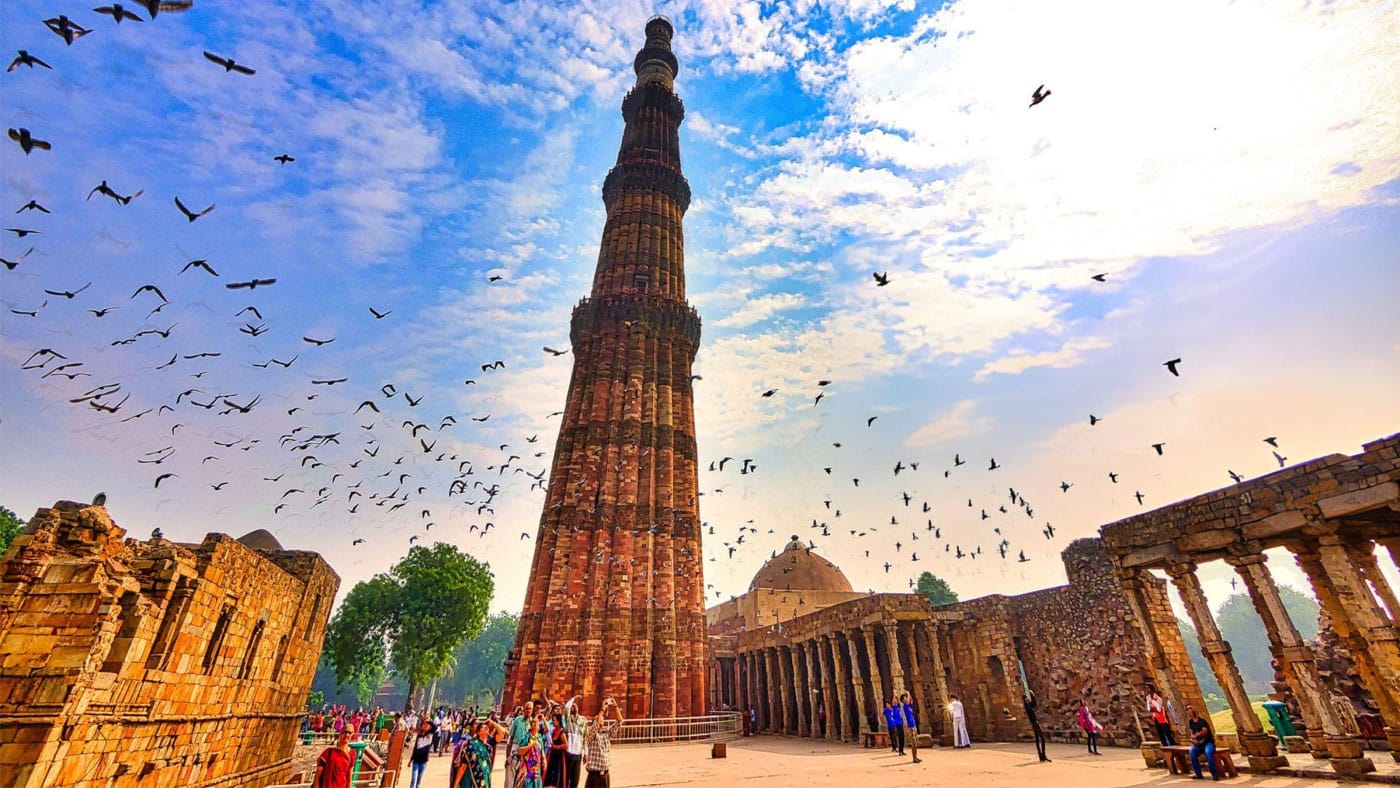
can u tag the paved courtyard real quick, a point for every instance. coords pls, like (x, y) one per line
(776, 762)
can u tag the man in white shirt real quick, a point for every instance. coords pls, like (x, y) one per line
(960, 738)
(573, 729)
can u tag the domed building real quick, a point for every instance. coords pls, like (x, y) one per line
(794, 582)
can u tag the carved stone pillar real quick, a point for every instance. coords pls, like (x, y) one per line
(809, 664)
(770, 694)
(801, 715)
(918, 689)
(1360, 625)
(1259, 746)
(1365, 557)
(1325, 736)
(940, 681)
(857, 684)
(896, 663)
(828, 683)
(876, 680)
(1130, 580)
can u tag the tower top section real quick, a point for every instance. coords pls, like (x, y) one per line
(655, 64)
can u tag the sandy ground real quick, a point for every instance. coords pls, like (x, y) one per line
(777, 762)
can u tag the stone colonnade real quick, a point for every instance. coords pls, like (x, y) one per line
(832, 684)
(1333, 534)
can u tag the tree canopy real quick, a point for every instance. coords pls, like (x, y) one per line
(480, 663)
(10, 526)
(936, 589)
(409, 620)
(1241, 626)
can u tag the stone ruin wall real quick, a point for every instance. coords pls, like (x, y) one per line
(107, 676)
(1082, 640)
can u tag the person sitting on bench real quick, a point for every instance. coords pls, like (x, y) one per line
(1202, 742)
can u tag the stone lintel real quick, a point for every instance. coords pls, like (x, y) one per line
(1275, 524)
(1156, 555)
(1206, 541)
(1359, 500)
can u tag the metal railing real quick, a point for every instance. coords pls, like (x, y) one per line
(722, 726)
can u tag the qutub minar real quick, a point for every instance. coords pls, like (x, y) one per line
(615, 602)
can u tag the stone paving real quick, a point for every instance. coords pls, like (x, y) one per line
(776, 762)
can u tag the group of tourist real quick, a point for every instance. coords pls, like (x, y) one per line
(547, 744)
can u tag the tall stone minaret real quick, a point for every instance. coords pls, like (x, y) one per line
(615, 602)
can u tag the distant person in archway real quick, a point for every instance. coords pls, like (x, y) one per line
(1030, 704)
(960, 738)
(1091, 727)
(1157, 709)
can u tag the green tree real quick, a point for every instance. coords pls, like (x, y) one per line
(480, 670)
(936, 589)
(1204, 675)
(10, 527)
(315, 699)
(1241, 626)
(409, 620)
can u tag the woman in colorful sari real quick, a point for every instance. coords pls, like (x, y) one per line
(472, 768)
(532, 756)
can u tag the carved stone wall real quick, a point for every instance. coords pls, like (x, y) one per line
(153, 663)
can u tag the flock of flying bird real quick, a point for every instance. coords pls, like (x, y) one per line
(186, 411)
(385, 453)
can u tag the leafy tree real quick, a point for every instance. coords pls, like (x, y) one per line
(1204, 675)
(315, 699)
(1241, 626)
(480, 669)
(936, 589)
(10, 527)
(409, 620)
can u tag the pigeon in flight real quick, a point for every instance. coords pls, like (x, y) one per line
(228, 64)
(1039, 95)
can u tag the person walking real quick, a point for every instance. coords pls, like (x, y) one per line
(1202, 743)
(597, 746)
(422, 748)
(1157, 709)
(911, 726)
(335, 764)
(1030, 704)
(960, 738)
(748, 721)
(821, 719)
(1091, 727)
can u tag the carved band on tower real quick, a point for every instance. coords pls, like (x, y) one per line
(615, 601)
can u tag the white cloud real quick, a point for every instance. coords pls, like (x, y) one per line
(1019, 360)
(759, 309)
(960, 421)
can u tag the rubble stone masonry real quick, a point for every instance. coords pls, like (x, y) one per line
(153, 663)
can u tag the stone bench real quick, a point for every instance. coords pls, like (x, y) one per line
(1178, 760)
(875, 739)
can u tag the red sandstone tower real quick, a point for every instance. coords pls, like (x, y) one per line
(615, 602)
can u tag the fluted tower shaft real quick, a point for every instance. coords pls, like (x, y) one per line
(615, 601)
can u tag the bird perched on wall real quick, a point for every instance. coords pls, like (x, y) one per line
(99, 499)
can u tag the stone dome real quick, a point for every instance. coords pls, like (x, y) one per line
(797, 568)
(260, 539)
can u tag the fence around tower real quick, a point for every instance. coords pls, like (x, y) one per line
(721, 726)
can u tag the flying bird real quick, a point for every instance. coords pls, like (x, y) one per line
(554, 352)
(153, 289)
(28, 142)
(191, 215)
(26, 59)
(1158, 448)
(155, 6)
(33, 205)
(1171, 366)
(1235, 477)
(380, 315)
(204, 264)
(165, 476)
(1272, 441)
(117, 13)
(66, 29)
(228, 64)
(1098, 277)
(251, 284)
(1039, 95)
(285, 159)
(881, 279)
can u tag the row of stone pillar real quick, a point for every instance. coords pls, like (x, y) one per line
(843, 673)
(1348, 583)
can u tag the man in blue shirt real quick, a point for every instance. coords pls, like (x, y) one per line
(911, 725)
(894, 720)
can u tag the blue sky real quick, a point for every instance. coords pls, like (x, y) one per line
(1234, 171)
